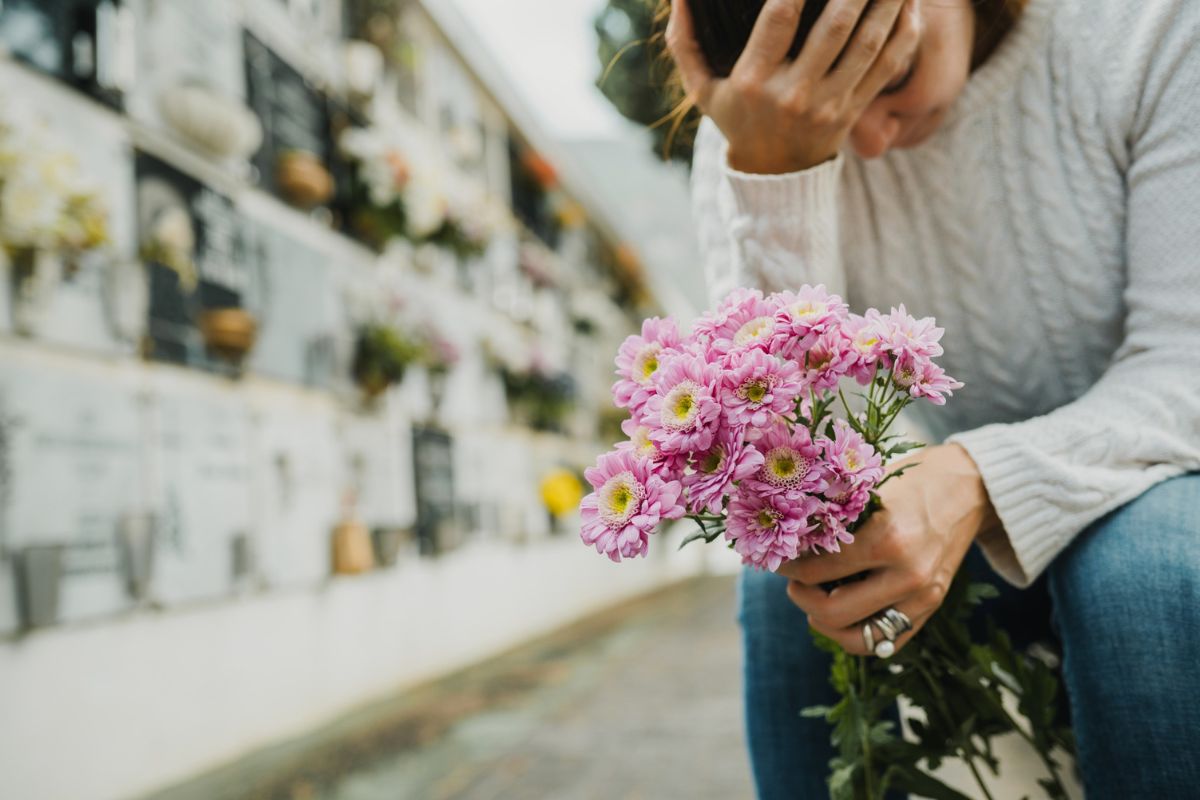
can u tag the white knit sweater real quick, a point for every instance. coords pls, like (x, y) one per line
(1053, 228)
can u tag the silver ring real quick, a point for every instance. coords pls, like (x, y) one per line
(869, 638)
(885, 625)
(899, 620)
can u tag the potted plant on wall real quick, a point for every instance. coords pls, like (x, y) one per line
(382, 354)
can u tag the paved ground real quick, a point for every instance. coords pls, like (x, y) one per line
(639, 702)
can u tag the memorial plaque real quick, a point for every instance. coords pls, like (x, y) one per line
(185, 43)
(213, 273)
(201, 490)
(295, 115)
(80, 42)
(433, 467)
(376, 462)
(72, 468)
(297, 498)
(297, 306)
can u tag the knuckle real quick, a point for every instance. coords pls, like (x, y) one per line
(827, 115)
(842, 23)
(746, 86)
(873, 40)
(780, 13)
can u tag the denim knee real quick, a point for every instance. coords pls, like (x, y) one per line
(1125, 602)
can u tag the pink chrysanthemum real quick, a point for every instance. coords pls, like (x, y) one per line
(769, 529)
(923, 379)
(849, 456)
(638, 360)
(802, 316)
(746, 320)
(683, 414)
(902, 334)
(792, 463)
(828, 359)
(866, 345)
(756, 388)
(628, 504)
(717, 471)
(830, 532)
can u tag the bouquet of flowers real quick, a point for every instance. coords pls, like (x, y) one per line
(743, 426)
(401, 190)
(45, 204)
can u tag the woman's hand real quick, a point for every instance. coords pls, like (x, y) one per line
(782, 116)
(910, 550)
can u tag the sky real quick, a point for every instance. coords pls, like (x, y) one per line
(548, 49)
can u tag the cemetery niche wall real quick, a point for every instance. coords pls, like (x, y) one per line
(184, 421)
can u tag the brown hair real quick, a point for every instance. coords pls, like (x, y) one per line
(723, 28)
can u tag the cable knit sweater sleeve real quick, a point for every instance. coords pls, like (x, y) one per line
(768, 231)
(1051, 476)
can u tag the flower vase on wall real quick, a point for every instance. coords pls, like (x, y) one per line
(136, 536)
(33, 277)
(437, 379)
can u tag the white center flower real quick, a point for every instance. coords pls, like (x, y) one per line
(620, 499)
(755, 330)
(809, 309)
(646, 363)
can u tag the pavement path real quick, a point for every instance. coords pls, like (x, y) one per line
(638, 703)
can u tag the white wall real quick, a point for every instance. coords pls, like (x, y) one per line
(120, 708)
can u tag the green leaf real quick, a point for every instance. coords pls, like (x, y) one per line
(914, 781)
(978, 592)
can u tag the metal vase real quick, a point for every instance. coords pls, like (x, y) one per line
(39, 571)
(136, 536)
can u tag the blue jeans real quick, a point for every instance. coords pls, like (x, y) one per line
(1123, 600)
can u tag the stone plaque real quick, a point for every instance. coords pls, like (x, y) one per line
(200, 489)
(296, 480)
(297, 303)
(71, 464)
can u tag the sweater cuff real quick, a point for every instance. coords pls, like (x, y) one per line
(1028, 544)
(808, 195)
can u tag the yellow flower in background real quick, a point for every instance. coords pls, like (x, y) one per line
(561, 492)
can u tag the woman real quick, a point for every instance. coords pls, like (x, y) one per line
(1031, 177)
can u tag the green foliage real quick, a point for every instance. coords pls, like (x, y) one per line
(635, 75)
(382, 354)
(542, 398)
(958, 687)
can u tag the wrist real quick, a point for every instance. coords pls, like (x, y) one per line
(974, 492)
(758, 164)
